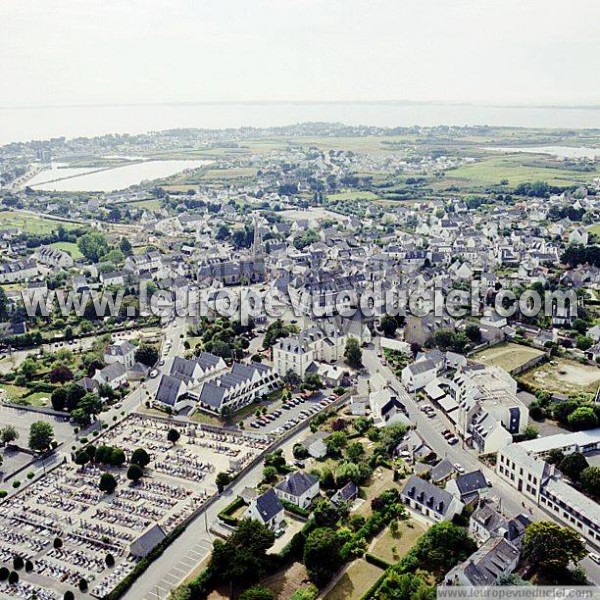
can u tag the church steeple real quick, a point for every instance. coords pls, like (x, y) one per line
(257, 245)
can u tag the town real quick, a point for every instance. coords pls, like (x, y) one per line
(302, 447)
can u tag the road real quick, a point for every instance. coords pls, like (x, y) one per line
(509, 499)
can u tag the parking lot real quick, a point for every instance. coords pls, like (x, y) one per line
(289, 413)
(67, 505)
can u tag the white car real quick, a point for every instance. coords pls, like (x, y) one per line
(153, 373)
(459, 468)
(595, 557)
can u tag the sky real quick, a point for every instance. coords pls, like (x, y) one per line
(73, 52)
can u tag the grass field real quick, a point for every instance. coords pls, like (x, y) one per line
(357, 579)
(232, 173)
(392, 549)
(563, 376)
(70, 248)
(353, 195)
(595, 229)
(31, 224)
(515, 168)
(508, 356)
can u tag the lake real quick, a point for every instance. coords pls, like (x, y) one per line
(24, 124)
(109, 180)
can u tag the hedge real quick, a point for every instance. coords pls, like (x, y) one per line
(144, 563)
(225, 514)
(375, 560)
(301, 512)
(368, 595)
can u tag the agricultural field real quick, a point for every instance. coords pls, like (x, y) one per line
(392, 548)
(516, 168)
(357, 579)
(32, 224)
(507, 356)
(563, 376)
(70, 248)
(353, 195)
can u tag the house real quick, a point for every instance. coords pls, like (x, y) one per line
(496, 557)
(469, 487)
(112, 278)
(486, 522)
(579, 235)
(417, 375)
(315, 444)
(54, 257)
(267, 509)
(386, 408)
(431, 501)
(114, 375)
(348, 493)
(442, 471)
(122, 352)
(17, 271)
(299, 488)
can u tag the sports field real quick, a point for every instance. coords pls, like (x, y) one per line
(563, 376)
(508, 356)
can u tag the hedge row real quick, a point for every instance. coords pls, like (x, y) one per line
(378, 562)
(225, 514)
(301, 512)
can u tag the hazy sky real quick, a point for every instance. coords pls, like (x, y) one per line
(61, 52)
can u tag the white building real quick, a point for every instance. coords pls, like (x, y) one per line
(431, 501)
(299, 488)
(122, 351)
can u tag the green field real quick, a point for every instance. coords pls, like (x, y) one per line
(392, 548)
(353, 195)
(507, 356)
(70, 248)
(358, 578)
(516, 168)
(32, 224)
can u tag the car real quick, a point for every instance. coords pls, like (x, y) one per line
(453, 441)
(459, 468)
(161, 362)
(595, 557)
(488, 482)
(278, 532)
(254, 424)
(299, 464)
(153, 373)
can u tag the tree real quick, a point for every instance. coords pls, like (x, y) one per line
(222, 479)
(13, 578)
(135, 473)
(355, 451)
(326, 514)
(550, 546)
(531, 432)
(60, 374)
(583, 417)
(9, 434)
(83, 585)
(299, 452)
(147, 354)
(242, 557)
(308, 593)
(57, 543)
(18, 563)
(4, 573)
(109, 561)
(555, 456)
(269, 474)
(572, 465)
(322, 556)
(59, 398)
(257, 592)
(388, 326)
(353, 353)
(29, 368)
(82, 458)
(108, 483)
(173, 435)
(69, 595)
(93, 246)
(275, 459)
(3, 305)
(590, 480)
(473, 332)
(41, 435)
(444, 545)
(140, 457)
(125, 247)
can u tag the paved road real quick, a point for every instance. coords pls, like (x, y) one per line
(510, 500)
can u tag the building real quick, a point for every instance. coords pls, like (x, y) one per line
(299, 488)
(114, 375)
(54, 257)
(348, 493)
(486, 522)
(241, 386)
(469, 487)
(122, 352)
(18, 271)
(267, 509)
(315, 444)
(431, 501)
(417, 375)
(172, 394)
(567, 443)
(292, 354)
(484, 567)
(143, 545)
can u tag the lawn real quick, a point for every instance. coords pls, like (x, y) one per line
(563, 376)
(516, 168)
(382, 479)
(392, 549)
(12, 392)
(70, 248)
(31, 224)
(508, 356)
(358, 578)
